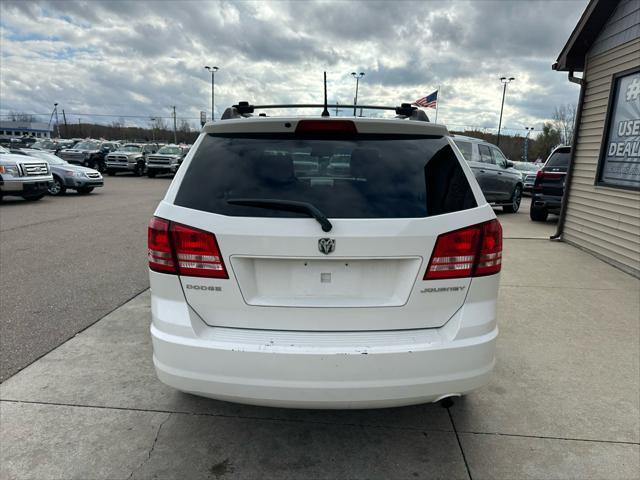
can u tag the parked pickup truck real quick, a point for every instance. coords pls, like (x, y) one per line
(89, 153)
(22, 176)
(131, 157)
(166, 160)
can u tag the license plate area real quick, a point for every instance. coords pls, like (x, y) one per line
(319, 282)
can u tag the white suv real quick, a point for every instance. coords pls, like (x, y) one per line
(324, 263)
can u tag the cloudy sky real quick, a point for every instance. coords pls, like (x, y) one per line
(138, 58)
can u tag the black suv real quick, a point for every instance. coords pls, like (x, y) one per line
(549, 185)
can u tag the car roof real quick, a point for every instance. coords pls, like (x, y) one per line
(363, 125)
(471, 139)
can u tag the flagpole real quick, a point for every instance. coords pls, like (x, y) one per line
(437, 103)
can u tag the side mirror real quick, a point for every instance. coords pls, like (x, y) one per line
(509, 164)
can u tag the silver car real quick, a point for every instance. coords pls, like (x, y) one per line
(67, 176)
(528, 170)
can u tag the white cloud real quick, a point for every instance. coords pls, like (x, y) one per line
(138, 58)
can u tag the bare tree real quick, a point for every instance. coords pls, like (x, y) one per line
(21, 117)
(184, 126)
(564, 118)
(158, 123)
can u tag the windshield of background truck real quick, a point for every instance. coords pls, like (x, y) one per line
(86, 146)
(170, 151)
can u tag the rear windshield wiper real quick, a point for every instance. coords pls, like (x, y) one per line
(286, 205)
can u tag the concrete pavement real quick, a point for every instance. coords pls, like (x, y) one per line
(70, 260)
(563, 401)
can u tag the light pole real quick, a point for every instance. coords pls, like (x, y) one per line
(526, 143)
(505, 81)
(357, 76)
(153, 129)
(213, 71)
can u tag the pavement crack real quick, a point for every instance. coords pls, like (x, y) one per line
(153, 446)
(464, 457)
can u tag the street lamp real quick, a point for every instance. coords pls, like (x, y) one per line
(213, 71)
(505, 81)
(153, 128)
(357, 76)
(526, 143)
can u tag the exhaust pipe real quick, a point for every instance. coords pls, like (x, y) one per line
(446, 401)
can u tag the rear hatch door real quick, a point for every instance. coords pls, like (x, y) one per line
(387, 199)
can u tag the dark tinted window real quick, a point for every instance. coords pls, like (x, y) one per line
(559, 159)
(356, 177)
(466, 149)
(485, 154)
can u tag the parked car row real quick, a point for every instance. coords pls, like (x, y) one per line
(23, 176)
(31, 173)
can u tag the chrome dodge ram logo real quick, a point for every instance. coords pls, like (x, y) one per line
(326, 245)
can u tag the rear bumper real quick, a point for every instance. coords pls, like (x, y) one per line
(550, 202)
(352, 376)
(323, 369)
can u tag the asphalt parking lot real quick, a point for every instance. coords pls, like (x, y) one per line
(68, 261)
(563, 401)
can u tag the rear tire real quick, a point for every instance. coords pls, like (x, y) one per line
(538, 214)
(57, 187)
(516, 198)
(85, 190)
(151, 173)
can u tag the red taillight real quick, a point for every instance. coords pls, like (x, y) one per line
(183, 250)
(197, 252)
(490, 255)
(471, 251)
(314, 127)
(540, 175)
(160, 253)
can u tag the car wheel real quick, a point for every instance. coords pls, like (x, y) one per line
(85, 190)
(139, 170)
(101, 167)
(538, 214)
(33, 198)
(85, 163)
(516, 198)
(111, 173)
(151, 173)
(57, 187)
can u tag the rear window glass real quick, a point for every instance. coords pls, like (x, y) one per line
(560, 158)
(365, 176)
(485, 154)
(465, 149)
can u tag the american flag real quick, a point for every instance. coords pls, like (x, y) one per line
(430, 101)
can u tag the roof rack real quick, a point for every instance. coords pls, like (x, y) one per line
(245, 109)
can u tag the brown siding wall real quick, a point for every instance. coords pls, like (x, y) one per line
(603, 220)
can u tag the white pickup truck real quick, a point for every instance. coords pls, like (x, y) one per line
(22, 176)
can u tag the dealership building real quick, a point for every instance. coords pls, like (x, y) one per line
(601, 207)
(13, 129)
